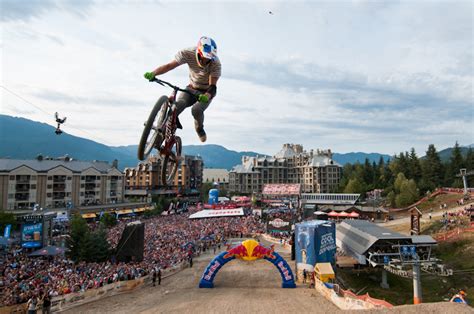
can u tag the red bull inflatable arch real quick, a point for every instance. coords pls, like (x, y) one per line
(248, 250)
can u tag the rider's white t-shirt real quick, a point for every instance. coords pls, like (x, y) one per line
(198, 76)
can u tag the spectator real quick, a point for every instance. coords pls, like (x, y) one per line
(32, 305)
(46, 304)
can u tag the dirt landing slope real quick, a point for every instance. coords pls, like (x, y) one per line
(240, 287)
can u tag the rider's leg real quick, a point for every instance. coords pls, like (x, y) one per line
(198, 114)
(184, 101)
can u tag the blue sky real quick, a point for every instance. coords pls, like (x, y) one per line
(366, 76)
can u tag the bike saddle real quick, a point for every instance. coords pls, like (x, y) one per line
(178, 124)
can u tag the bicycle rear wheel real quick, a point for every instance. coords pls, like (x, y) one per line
(171, 163)
(151, 135)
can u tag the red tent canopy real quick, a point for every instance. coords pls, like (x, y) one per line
(333, 214)
(354, 215)
(343, 214)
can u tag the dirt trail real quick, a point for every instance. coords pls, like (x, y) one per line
(240, 287)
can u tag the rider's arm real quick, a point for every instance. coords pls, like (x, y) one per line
(165, 68)
(211, 91)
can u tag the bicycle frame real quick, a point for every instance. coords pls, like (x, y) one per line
(170, 130)
(170, 122)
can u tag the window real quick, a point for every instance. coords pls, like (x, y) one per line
(49, 194)
(33, 187)
(50, 186)
(33, 178)
(69, 178)
(12, 178)
(50, 178)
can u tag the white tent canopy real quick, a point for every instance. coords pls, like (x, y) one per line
(209, 213)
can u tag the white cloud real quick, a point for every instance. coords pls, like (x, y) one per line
(359, 76)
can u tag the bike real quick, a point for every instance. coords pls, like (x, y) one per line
(160, 133)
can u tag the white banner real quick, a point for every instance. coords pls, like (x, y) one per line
(209, 213)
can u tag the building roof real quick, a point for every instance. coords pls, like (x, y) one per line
(245, 167)
(7, 165)
(360, 235)
(330, 198)
(286, 152)
(422, 239)
(322, 161)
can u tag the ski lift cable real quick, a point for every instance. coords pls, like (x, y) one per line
(49, 115)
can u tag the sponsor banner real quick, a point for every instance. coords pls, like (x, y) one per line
(315, 242)
(7, 231)
(278, 225)
(209, 213)
(32, 235)
(325, 244)
(281, 189)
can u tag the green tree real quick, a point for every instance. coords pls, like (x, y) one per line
(431, 170)
(414, 166)
(456, 162)
(79, 234)
(408, 193)
(400, 164)
(399, 182)
(108, 220)
(355, 185)
(204, 191)
(94, 247)
(368, 174)
(391, 197)
(470, 165)
(7, 219)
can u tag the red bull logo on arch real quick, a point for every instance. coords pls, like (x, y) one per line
(248, 250)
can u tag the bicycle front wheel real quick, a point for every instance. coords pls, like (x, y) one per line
(151, 135)
(171, 163)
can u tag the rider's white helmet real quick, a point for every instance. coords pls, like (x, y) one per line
(206, 49)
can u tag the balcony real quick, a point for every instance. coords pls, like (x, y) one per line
(59, 196)
(22, 196)
(90, 187)
(59, 187)
(59, 179)
(22, 188)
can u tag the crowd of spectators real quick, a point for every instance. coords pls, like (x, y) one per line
(169, 240)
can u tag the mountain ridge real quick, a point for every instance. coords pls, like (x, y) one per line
(22, 138)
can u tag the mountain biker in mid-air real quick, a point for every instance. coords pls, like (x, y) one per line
(204, 71)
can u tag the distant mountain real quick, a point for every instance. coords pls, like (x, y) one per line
(25, 139)
(445, 154)
(352, 158)
(214, 156)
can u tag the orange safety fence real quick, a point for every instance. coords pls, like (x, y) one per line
(367, 298)
(452, 234)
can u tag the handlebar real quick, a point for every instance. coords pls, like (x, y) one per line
(176, 88)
